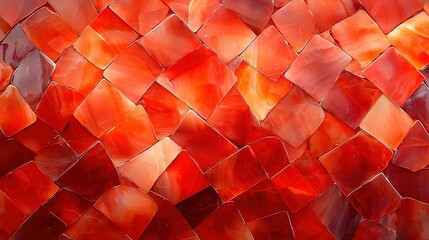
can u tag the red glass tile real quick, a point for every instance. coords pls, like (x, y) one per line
(350, 99)
(371, 161)
(165, 110)
(224, 223)
(5, 75)
(360, 30)
(276, 226)
(206, 146)
(394, 75)
(76, 72)
(413, 153)
(236, 174)
(256, 14)
(4, 28)
(92, 175)
(20, 154)
(67, 206)
(300, 182)
(314, 75)
(180, 180)
(141, 16)
(370, 230)
(133, 215)
(77, 136)
(32, 182)
(298, 113)
(271, 154)
(44, 26)
(417, 106)
(226, 34)
(387, 122)
(389, 14)
(77, 14)
(295, 15)
(306, 225)
(15, 11)
(259, 201)
(261, 93)
(100, 4)
(32, 77)
(413, 216)
(152, 162)
(55, 158)
(15, 46)
(57, 105)
(11, 217)
(129, 137)
(162, 42)
(268, 46)
(328, 12)
(133, 72)
(104, 107)
(214, 80)
(15, 114)
(410, 38)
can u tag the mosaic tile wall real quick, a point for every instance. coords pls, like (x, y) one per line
(214, 119)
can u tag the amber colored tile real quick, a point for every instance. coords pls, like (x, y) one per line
(15, 114)
(15, 46)
(224, 223)
(214, 80)
(193, 13)
(129, 137)
(387, 122)
(55, 158)
(412, 219)
(57, 105)
(162, 42)
(9, 224)
(317, 75)
(245, 10)
(32, 182)
(357, 31)
(77, 136)
(104, 107)
(260, 92)
(32, 77)
(226, 34)
(233, 118)
(298, 113)
(417, 106)
(133, 72)
(394, 75)
(328, 12)
(411, 39)
(164, 109)
(376, 198)
(295, 15)
(389, 14)
(94, 224)
(141, 16)
(370, 230)
(276, 226)
(350, 99)
(49, 32)
(331, 133)
(77, 14)
(180, 180)
(266, 51)
(92, 175)
(271, 154)
(263, 195)
(300, 182)
(133, 217)
(94, 48)
(236, 174)
(369, 162)
(76, 72)
(67, 206)
(336, 213)
(153, 162)
(5, 75)
(306, 225)
(413, 153)
(42, 224)
(15, 11)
